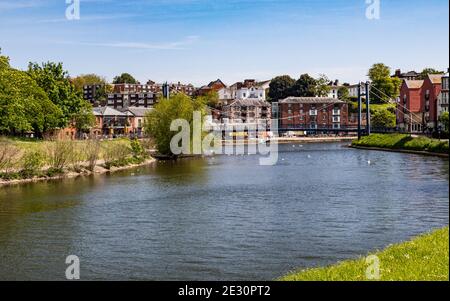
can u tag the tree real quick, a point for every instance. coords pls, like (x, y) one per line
(158, 121)
(24, 106)
(87, 79)
(305, 86)
(426, 71)
(84, 120)
(280, 87)
(384, 87)
(322, 86)
(383, 119)
(211, 99)
(344, 94)
(124, 78)
(54, 80)
(444, 119)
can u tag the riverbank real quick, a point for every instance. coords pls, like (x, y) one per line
(287, 140)
(67, 174)
(403, 143)
(424, 258)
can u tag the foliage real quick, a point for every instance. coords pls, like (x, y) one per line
(444, 120)
(280, 87)
(344, 94)
(403, 141)
(53, 79)
(8, 155)
(116, 155)
(87, 79)
(383, 119)
(137, 149)
(211, 99)
(92, 153)
(84, 119)
(426, 71)
(159, 120)
(384, 87)
(24, 106)
(322, 87)
(124, 78)
(60, 154)
(425, 258)
(32, 163)
(305, 86)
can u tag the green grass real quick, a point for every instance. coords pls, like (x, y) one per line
(403, 141)
(425, 258)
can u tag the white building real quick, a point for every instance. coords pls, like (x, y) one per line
(353, 90)
(249, 89)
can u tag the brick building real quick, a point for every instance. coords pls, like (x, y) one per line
(430, 91)
(247, 111)
(313, 113)
(409, 108)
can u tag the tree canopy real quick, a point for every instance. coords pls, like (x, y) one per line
(54, 80)
(124, 78)
(280, 87)
(305, 86)
(87, 79)
(426, 71)
(384, 87)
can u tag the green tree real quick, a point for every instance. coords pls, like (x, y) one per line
(322, 86)
(384, 87)
(210, 99)
(280, 87)
(124, 78)
(54, 80)
(444, 119)
(158, 121)
(84, 120)
(24, 106)
(344, 94)
(305, 86)
(426, 71)
(87, 79)
(383, 118)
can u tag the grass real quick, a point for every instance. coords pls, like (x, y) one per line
(425, 258)
(404, 142)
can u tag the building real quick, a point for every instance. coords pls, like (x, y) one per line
(247, 111)
(334, 89)
(443, 96)
(122, 96)
(409, 107)
(410, 75)
(212, 86)
(249, 89)
(137, 119)
(431, 89)
(313, 113)
(353, 90)
(110, 122)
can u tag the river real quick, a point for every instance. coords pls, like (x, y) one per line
(222, 218)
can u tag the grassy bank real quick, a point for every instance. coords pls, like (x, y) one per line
(403, 142)
(423, 258)
(28, 159)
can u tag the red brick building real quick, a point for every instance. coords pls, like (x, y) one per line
(409, 108)
(430, 91)
(212, 86)
(313, 113)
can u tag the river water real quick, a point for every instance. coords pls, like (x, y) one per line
(222, 218)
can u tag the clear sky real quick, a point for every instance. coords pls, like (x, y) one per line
(201, 40)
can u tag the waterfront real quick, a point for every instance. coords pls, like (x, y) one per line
(222, 218)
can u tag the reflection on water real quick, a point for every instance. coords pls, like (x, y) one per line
(222, 218)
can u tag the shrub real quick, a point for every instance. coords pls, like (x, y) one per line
(116, 154)
(137, 149)
(60, 154)
(92, 153)
(8, 155)
(32, 163)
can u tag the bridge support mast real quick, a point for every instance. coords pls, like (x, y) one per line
(359, 111)
(367, 108)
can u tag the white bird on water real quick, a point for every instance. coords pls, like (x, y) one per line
(369, 162)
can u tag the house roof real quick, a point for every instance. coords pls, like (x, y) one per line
(139, 111)
(317, 100)
(435, 78)
(107, 111)
(250, 103)
(414, 84)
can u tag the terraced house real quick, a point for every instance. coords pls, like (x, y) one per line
(305, 113)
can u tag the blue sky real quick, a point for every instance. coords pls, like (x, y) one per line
(201, 40)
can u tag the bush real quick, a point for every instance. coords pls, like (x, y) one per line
(60, 154)
(8, 155)
(92, 153)
(32, 163)
(116, 154)
(137, 149)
